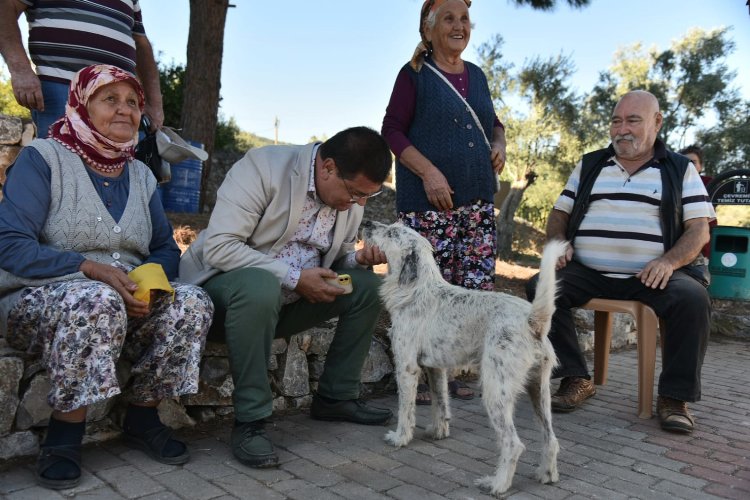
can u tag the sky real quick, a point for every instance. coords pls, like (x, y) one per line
(325, 65)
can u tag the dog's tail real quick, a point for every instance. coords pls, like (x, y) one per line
(543, 306)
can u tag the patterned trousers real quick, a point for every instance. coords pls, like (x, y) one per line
(81, 329)
(464, 240)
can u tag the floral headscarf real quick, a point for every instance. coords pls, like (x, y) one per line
(424, 46)
(75, 130)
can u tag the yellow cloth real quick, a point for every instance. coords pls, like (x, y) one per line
(149, 277)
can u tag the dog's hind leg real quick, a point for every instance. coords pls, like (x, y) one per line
(538, 387)
(499, 399)
(407, 378)
(441, 411)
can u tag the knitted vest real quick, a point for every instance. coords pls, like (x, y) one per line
(444, 131)
(78, 221)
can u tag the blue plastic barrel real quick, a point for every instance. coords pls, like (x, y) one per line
(182, 193)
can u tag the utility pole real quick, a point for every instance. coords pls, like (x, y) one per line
(276, 130)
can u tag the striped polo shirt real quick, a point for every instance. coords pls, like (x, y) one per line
(621, 231)
(68, 35)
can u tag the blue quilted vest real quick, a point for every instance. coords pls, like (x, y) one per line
(444, 131)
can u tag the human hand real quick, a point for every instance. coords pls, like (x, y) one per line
(497, 155)
(437, 189)
(155, 115)
(118, 280)
(370, 256)
(563, 260)
(27, 89)
(312, 285)
(656, 273)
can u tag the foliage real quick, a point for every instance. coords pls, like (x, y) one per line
(540, 113)
(8, 104)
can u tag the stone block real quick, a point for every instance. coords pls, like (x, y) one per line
(34, 411)
(7, 156)
(173, 414)
(28, 134)
(11, 129)
(293, 374)
(377, 365)
(11, 370)
(278, 346)
(19, 444)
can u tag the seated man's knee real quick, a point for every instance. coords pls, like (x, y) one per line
(364, 282)
(252, 287)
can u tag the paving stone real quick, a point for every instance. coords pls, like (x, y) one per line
(16, 479)
(243, 486)
(188, 485)
(373, 479)
(129, 481)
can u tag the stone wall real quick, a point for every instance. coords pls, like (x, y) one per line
(14, 134)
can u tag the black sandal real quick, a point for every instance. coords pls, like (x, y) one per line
(153, 441)
(53, 455)
(424, 390)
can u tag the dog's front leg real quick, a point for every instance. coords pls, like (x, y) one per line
(441, 412)
(407, 379)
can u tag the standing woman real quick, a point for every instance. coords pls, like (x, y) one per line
(78, 214)
(450, 147)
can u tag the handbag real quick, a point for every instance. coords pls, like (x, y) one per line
(147, 151)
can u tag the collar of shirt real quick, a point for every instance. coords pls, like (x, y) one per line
(311, 185)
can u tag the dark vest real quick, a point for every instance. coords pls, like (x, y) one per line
(444, 131)
(672, 167)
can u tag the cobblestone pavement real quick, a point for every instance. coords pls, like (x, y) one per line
(607, 452)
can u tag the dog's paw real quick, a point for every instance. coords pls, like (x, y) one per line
(397, 439)
(490, 484)
(440, 430)
(547, 475)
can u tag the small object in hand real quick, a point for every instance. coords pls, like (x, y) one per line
(342, 281)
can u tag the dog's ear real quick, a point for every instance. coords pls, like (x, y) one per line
(409, 266)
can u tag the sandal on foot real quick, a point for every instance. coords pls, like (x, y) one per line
(54, 455)
(455, 385)
(424, 397)
(153, 441)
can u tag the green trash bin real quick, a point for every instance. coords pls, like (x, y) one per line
(729, 263)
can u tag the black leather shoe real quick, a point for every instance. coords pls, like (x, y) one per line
(350, 410)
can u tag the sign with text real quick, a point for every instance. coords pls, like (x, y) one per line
(732, 192)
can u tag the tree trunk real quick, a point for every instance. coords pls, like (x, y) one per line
(200, 107)
(505, 223)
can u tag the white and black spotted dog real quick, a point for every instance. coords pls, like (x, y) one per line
(438, 326)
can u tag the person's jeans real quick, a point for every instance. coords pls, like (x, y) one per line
(249, 315)
(684, 305)
(55, 97)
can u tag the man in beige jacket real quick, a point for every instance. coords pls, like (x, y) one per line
(286, 219)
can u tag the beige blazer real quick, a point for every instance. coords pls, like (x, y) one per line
(258, 208)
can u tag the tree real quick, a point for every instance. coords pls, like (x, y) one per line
(8, 104)
(536, 132)
(203, 76)
(694, 88)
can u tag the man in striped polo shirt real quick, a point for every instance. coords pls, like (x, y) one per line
(66, 36)
(636, 218)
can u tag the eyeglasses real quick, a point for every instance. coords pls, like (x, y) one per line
(356, 198)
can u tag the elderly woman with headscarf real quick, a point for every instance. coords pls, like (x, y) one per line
(449, 146)
(78, 214)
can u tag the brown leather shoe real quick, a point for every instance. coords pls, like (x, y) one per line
(571, 394)
(674, 415)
